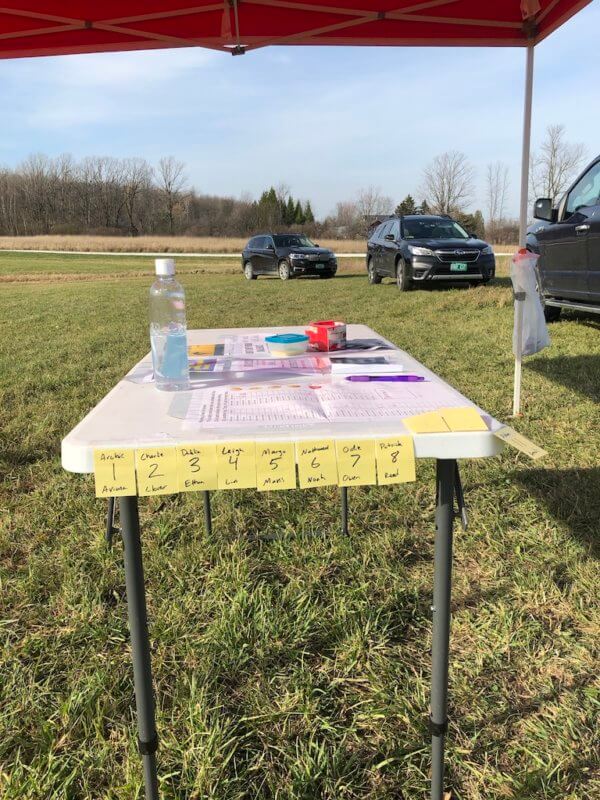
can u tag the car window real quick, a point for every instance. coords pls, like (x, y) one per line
(259, 242)
(433, 228)
(586, 191)
(385, 229)
(395, 229)
(253, 243)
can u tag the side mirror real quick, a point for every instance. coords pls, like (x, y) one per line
(270, 246)
(389, 237)
(542, 209)
(472, 235)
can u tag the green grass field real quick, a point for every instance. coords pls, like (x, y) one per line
(291, 662)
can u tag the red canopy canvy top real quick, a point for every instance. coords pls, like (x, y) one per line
(60, 27)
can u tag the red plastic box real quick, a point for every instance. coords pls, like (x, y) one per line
(326, 335)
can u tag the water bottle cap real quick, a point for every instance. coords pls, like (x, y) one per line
(164, 266)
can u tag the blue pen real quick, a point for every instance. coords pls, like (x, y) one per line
(389, 378)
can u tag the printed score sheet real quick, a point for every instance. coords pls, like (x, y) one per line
(298, 404)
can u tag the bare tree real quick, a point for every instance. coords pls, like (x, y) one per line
(496, 189)
(556, 163)
(371, 202)
(171, 176)
(448, 182)
(138, 178)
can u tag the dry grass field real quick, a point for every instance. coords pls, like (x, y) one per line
(162, 244)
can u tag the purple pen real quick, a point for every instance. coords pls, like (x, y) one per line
(389, 378)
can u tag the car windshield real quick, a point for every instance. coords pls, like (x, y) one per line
(432, 229)
(293, 240)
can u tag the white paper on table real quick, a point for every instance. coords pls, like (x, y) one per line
(280, 405)
(246, 345)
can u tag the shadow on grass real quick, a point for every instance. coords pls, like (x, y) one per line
(572, 496)
(580, 373)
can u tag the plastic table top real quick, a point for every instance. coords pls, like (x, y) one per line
(135, 414)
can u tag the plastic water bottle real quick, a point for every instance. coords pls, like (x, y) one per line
(168, 332)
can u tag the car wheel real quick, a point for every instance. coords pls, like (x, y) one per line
(551, 313)
(249, 272)
(403, 281)
(285, 272)
(373, 276)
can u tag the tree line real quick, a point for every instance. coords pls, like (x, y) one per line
(130, 196)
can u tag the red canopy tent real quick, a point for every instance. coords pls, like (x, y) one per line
(62, 27)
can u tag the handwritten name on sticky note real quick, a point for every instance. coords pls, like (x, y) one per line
(520, 442)
(156, 470)
(275, 466)
(196, 467)
(317, 464)
(395, 460)
(114, 473)
(356, 462)
(236, 465)
(431, 422)
(464, 418)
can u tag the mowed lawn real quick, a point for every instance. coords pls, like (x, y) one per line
(292, 662)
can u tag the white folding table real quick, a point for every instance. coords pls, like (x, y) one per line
(134, 415)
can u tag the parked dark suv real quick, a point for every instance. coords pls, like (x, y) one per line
(288, 255)
(418, 248)
(569, 246)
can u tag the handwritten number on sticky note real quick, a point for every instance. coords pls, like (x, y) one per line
(356, 462)
(395, 460)
(316, 463)
(236, 465)
(156, 470)
(197, 467)
(275, 466)
(114, 473)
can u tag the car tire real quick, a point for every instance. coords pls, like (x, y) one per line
(551, 313)
(403, 281)
(249, 272)
(284, 269)
(373, 276)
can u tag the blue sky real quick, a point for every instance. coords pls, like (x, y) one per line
(325, 121)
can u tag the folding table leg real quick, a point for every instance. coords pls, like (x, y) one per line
(207, 514)
(442, 585)
(344, 495)
(110, 522)
(140, 644)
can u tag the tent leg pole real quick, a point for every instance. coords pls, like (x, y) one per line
(140, 644)
(442, 584)
(525, 156)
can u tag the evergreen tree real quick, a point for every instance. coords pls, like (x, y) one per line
(290, 211)
(308, 213)
(299, 214)
(424, 208)
(407, 206)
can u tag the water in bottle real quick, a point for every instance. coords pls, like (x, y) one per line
(168, 332)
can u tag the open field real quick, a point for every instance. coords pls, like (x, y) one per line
(43, 267)
(163, 244)
(292, 663)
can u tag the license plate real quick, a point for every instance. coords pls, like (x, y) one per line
(320, 266)
(458, 266)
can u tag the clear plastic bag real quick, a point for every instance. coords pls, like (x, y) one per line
(530, 325)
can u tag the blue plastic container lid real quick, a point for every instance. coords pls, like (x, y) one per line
(287, 338)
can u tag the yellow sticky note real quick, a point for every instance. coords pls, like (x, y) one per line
(236, 465)
(156, 469)
(395, 460)
(201, 350)
(520, 442)
(317, 464)
(356, 462)
(431, 422)
(465, 418)
(275, 466)
(196, 467)
(114, 473)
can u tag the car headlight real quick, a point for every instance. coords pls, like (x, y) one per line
(297, 255)
(420, 251)
(487, 251)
